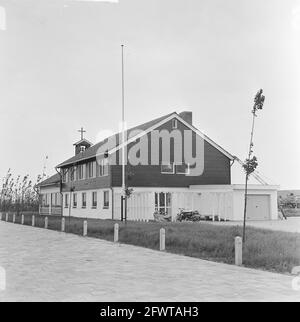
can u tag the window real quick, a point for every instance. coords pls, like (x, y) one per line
(64, 175)
(66, 201)
(90, 169)
(83, 200)
(167, 168)
(182, 169)
(163, 203)
(103, 168)
(46, 199)
(174, 124)
(94, 200)
(82, 148)
(106, 199)
(72, 173)
(75, 200)
(57, 199)
(80, 172)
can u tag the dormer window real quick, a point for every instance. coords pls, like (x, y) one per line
(174, 124)
(167, 168)
(82, 148)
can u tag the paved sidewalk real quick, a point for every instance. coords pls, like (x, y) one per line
(43, 265)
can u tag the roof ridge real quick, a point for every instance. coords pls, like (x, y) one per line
(84, 155)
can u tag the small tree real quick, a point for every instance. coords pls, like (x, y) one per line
(251, 162)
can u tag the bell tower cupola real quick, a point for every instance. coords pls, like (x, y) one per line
(83, 144)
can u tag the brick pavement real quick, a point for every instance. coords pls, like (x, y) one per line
(44, 265)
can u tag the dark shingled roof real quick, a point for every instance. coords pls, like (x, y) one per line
(92, 151)
(50, 181)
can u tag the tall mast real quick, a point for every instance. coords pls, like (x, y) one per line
(123, 126)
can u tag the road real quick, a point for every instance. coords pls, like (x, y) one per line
(44, 265)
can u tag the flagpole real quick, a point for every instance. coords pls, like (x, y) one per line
(123, 133)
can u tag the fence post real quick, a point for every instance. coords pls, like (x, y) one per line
(63, 224)
(85, 228)
(14, 218)
(33, 220)
(46, 222)
(116, 233)
(6, 216)
(162, 239)
(238, 247)
(22, 219)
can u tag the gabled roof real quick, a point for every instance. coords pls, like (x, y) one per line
(50, 181)
(83, 141)
(92, 151)
(146, 128)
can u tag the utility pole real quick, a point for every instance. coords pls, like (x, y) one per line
(251, 163)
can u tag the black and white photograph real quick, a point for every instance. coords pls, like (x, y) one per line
(150, 157)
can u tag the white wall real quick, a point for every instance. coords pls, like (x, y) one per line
(89, 212)
(49, 189)
(212, 197)
(49, 209)
(239, 200)
(225, 201)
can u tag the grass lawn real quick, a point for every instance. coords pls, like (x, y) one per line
(265, 249)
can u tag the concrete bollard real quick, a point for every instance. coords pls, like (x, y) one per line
(162, 239)
(116, 233)
(85, 228)
(14, 218)
(63, 224)
(6, 216)
(238, 248)
(22, 219)
(33, 220)
(46, 222)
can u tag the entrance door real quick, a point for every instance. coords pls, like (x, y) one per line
(258, 207)
(163, 203)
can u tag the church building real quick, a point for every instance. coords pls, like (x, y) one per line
(196, 176)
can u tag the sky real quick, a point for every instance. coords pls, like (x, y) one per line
(60, 69)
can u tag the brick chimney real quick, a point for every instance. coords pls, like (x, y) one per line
(187, 116)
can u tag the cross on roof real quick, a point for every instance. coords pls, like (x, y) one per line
(81, 132)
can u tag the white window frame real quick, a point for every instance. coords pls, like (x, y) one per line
(165, 207)
(94, 193)
(187, 169)
(91, 166)
(106, 206)
(104, 165)
(173, 168)
(75, 200)
(80, 167)
(82, 199)
(72, 171)
(66, 201)
(64, 175)
(174, 124)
